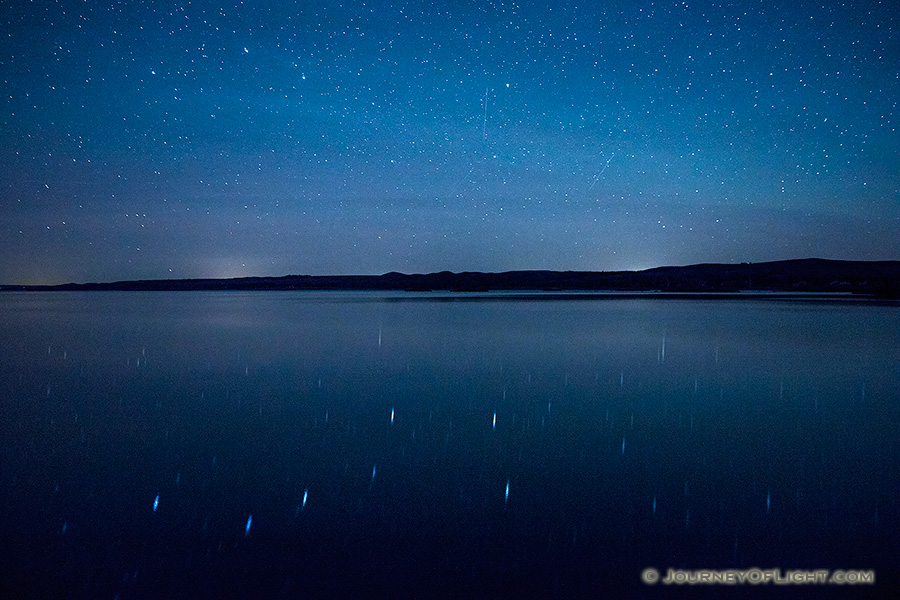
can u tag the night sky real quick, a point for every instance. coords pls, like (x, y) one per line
(165, 139)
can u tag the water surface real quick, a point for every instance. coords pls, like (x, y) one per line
(282, 444)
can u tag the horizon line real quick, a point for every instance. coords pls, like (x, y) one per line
(444, 272)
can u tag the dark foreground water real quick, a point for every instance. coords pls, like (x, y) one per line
(287, 445)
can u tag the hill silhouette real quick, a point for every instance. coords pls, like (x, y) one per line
(877, 278)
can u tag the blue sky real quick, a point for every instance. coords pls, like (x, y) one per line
(167, 139)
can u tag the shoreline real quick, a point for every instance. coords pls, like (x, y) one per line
(804, 276)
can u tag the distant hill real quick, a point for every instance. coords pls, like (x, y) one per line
(876, 278)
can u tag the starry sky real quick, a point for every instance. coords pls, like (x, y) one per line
(167, 139)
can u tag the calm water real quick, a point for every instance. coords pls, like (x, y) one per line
(280, 445)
